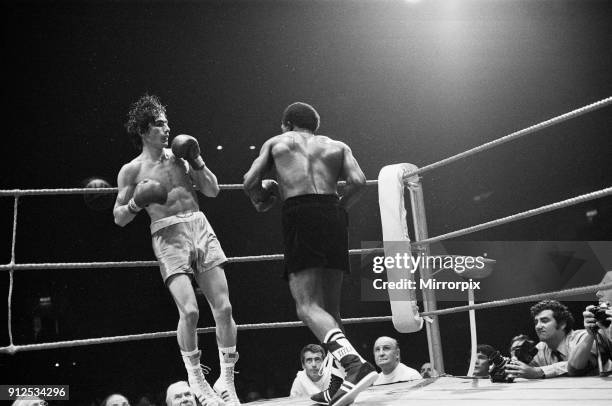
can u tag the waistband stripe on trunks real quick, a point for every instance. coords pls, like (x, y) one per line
(301, 200)
(177, 218)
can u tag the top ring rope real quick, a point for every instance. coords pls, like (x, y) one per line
(109, 190)
(511, 137)
(12, 349)
(519, 216)
(237, 186)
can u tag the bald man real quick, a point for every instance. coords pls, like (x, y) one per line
(387, 357)
(179, 394)
(29, 401)
(116, 399)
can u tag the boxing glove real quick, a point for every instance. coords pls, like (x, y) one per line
(187, 147)
(270, 188)
(268, 197)
(146, 192)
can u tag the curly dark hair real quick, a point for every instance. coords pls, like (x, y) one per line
(301, 115)
(560, 312)
(520, 337)
(142, 113)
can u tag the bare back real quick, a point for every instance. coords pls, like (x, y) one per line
(307, 163)
(171, 172)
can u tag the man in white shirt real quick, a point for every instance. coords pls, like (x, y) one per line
(387, 357)
(308, 381)
(180, 394)
(553, 325)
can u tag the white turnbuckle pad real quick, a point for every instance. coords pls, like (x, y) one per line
(404, 308)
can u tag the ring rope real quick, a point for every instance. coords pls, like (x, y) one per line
(276, 257)
(237, 186)
(521, 299)
(12, 349)
(511, 137)
(519, 216)
(109, 190)
(569, 202)
(143, 264)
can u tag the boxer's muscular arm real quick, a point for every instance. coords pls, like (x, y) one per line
(252, 179)
(126, 184)
(187, 148)
(355, 179)
(205, 180)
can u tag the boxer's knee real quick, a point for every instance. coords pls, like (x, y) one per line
(223, 311)
(190, 315)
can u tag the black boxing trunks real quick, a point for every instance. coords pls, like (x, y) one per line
(315, 233)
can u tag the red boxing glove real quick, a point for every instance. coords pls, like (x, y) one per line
(187, 147)
(146, 192)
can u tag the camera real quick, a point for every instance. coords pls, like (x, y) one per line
(498, 368)
(599, 312)
(524, 353)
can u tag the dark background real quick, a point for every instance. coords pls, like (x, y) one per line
(399, 82)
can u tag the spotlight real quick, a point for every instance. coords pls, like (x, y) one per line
(590, 214)
(219, 147)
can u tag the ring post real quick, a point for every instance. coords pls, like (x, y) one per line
(473, 337)
(429, 297)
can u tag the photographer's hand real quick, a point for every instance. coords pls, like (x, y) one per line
(590, 324)
(609, 318)
(522, 370)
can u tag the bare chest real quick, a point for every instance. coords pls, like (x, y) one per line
(169, 172)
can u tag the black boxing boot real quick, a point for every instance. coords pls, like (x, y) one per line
(335, 380)
(360, 374)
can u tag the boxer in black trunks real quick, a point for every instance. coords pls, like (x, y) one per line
(308, 168)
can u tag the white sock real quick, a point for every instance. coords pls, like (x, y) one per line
(225, 351)
(191, 359)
